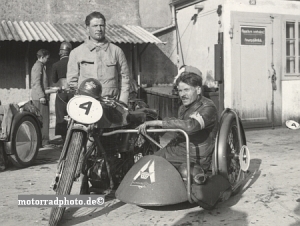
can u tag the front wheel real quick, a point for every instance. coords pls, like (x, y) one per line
(67, 174)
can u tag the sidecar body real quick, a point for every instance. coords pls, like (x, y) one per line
(20, 134)
(155, 181)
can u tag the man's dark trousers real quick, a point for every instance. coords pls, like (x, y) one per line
(61, 101)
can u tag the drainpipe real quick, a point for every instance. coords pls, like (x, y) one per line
(27, 69)
(172, 25)
(133, 61)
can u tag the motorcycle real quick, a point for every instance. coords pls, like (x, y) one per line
(101, 162)
(125, 162)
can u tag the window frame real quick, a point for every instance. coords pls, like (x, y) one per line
(296, 21)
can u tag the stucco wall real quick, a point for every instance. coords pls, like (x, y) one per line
(116, 12)
(155, 13)
(198, 36)
(159, 61)
(290, 100)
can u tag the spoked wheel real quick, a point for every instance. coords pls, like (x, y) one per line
(67, 174)
(25, 141)
(232, 155)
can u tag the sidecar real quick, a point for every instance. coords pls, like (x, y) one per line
(20, 134)
(155, 181)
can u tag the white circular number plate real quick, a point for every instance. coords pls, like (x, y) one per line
(84, 109)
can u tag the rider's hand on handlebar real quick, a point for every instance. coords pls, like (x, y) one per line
(43, 100)
(142, 128)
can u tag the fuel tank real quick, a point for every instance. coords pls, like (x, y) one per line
(152, 181)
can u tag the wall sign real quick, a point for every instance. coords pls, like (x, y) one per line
(253, 36)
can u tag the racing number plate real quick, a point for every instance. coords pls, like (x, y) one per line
(84, 109)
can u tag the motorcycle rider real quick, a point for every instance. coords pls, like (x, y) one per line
(197, 116)
(59, 73)
(184, 68)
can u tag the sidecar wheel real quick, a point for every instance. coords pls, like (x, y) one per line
(228, 151)
(67, 175)
(25, 142)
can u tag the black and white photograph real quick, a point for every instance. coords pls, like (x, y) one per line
(150, 112)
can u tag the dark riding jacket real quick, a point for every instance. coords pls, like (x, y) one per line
(200, 121)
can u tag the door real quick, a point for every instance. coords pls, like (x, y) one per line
(252, 71)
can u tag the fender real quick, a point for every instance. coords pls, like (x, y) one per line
(227, 117)
(72, 127)
(17, 117)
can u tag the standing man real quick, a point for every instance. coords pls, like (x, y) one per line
(39, 82)
(59, 73)
(98, 58)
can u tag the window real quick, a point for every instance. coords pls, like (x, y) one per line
(292, 48)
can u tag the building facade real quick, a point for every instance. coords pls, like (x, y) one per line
(259, 43)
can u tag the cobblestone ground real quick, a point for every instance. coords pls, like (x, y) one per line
(270, 197)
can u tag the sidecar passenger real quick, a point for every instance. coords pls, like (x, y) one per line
(198, 117)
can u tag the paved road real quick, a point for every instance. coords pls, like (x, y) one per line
(270, 197)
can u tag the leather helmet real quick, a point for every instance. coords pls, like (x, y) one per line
(90, 87)
(67, 46)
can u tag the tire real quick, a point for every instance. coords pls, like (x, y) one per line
(67, 175)
(26, 139)
(228, 150)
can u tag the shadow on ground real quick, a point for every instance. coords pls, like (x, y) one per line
(46, 155)
(74, 216)
(219, 215)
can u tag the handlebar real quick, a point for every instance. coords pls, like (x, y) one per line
(50, 90)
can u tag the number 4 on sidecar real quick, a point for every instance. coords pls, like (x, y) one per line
(155, 181)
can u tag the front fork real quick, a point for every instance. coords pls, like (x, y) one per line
(60, 166)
